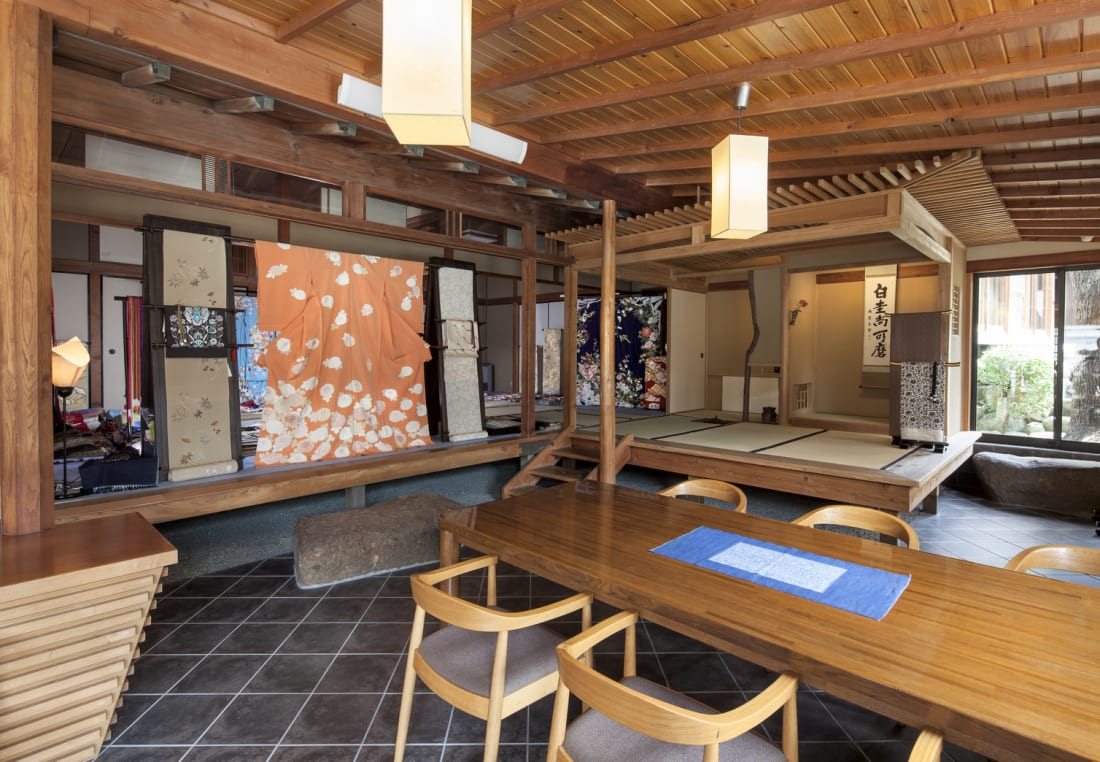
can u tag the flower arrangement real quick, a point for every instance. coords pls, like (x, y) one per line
(802, 304)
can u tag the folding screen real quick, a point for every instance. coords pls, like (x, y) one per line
(188, 292)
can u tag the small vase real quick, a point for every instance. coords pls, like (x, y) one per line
(794, 316)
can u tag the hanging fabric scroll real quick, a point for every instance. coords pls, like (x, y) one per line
(879, 294)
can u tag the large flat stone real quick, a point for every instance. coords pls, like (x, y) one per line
(394, 534)
(1061, 485)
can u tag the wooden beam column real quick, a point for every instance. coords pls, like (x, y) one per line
(569, 350)
(607, 346)
(528, 382)
(26, 413)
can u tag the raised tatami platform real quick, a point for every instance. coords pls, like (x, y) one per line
(839, 466)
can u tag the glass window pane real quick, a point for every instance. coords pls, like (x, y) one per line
(281, 188)
(1016, 341)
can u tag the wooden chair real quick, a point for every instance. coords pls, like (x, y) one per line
(636, 719)
(712, 488)
(928, 747)
(862, 518)
(487, 662)
(1071, 558)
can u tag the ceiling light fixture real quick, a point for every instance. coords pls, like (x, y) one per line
(496, 143)
(426, 71)
(366, 97)
(739, 181)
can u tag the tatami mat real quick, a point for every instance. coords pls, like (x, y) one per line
(744, 437)
(845, 448)
(660, 427)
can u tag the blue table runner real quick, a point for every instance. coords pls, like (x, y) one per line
(859, 589)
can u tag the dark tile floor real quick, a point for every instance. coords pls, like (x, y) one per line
(244, 665)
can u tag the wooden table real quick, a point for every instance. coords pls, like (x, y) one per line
(1005, 664)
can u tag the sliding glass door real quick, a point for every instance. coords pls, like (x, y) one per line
(1036, 366)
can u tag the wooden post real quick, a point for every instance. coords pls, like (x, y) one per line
(784, 346)
(26, 411)
(607, 346)
(528, 305)
(569, 351)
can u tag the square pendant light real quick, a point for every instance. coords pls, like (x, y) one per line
(739, 187)
(426, 71)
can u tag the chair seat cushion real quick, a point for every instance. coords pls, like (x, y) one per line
(592, 737)
(465, 657)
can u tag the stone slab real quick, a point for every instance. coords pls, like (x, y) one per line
(393, 534)
(1061, 485)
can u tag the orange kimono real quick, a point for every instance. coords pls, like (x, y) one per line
(346, 366)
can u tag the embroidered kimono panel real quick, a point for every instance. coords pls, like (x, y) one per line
(346, 366)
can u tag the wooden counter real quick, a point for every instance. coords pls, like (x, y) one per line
(74, 601)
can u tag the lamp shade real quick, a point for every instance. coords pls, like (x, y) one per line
(426, 71)
(69, 362)
(739, 187)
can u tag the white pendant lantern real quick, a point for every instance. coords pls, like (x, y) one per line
(739, 180)
(426, 71)
(739, 187)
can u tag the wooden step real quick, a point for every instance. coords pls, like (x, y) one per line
(575, 454)
(523, 490)
(560, 473)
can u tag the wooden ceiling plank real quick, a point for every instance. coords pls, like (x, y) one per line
(1000, 23)
(314, 15)
(737, 18)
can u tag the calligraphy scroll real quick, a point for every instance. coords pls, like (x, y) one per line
(879, 290)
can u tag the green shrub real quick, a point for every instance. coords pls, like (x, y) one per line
(1019, 387)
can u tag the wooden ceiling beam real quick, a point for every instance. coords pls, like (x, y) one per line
(1000, 23)
(778, 155)
(250, 104)
(313, 15)
(325, 129)
(822, 214)
(1048, 191)
(149, 74)
(939, 116)
(934, 83)
(997, 160)
(1044, 176)
(194, 39)
(697, 29)
(1052, 204)
(102, 105)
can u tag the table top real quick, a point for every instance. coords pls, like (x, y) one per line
(1004, 663)
(80, 553)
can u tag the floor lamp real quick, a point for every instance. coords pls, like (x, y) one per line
(69, 363)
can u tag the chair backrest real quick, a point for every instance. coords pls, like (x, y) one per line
(712, 488)
(928, 747)
(1072, 558)
(651, 716)
(862, 518)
